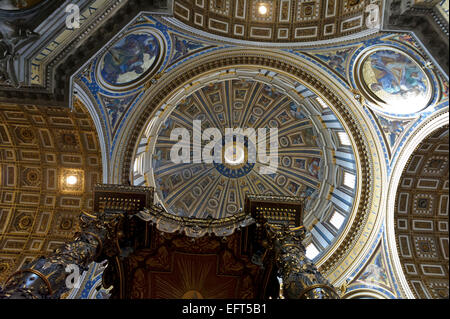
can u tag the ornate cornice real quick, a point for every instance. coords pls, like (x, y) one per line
(425, 22)
(75, 51)
(194, 227)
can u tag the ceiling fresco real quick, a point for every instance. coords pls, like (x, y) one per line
(90, 284)
(392, 79)
(117, 83)
(130, 59)
(421, 217)
(42, 46)
(113, 67)
(349, 64)
(374, 280)
(218, 189)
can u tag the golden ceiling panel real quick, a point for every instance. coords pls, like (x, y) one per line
(49, 161)
(275, 20)
(421, 218)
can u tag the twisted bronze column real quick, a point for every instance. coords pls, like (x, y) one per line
(301, 279)
(46, 277)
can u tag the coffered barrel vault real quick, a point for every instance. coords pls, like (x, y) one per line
(39, 149)
(421, 218)
(275, 21)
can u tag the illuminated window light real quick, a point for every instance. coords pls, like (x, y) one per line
(343, 138)
(135, 166)
(234, 154)
(262, 9)
(311, 251)
(150, 126)
(337, 220)
(71, 180)
(322, 103)
(349, 180)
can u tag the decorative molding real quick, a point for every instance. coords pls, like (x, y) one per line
(106, 21)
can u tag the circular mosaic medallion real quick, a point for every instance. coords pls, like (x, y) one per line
(131, 60)
(392, 81)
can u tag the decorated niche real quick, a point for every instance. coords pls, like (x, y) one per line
(393, 81)
(131, 60)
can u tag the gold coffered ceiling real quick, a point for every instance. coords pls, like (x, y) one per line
(421, 218)
(284, 20)
(39, 148)
(18, 5)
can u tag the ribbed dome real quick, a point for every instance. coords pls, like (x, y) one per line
(218, 189)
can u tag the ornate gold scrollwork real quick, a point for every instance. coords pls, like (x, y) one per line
(301, 279)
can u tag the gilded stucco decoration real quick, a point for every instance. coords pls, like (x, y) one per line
(39, 148)
(421, 217)
(282, 21)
